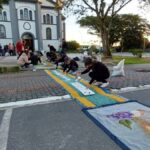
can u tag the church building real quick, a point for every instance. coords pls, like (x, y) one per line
(37, 22)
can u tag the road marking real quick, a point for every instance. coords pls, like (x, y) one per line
(4, 129)
(39, 101)
(74, 93)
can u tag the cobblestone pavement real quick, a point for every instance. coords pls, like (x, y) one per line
(28, 85)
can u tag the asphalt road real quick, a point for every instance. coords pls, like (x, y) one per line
(143, 96)
(57, 126)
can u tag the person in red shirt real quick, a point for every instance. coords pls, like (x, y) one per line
(19, 47)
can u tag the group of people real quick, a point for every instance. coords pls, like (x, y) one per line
(25, 56)
(9, 49)
(98, 72)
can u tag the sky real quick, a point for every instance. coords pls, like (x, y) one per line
(75, 32)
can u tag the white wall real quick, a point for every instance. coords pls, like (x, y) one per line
(36, 44)
(53, 29)
(22, 30)
(6, 8)
(5, 42)
(7, 25)
(46, 3)
(51, 13)
(20, 5)
(55, 43)
(29, 6)
(8, 29)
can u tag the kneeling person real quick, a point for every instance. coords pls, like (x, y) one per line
(23, 60)
(70, 65)
(97, 71)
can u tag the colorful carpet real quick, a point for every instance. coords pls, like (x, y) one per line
(44, 66)
(99, 98)
(128, 124)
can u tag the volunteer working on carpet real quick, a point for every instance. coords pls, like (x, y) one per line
(98, 72)
(70, 65)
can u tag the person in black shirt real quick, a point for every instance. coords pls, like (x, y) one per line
(70, 65)
(60, 59)
(64, 46)
(97, 71)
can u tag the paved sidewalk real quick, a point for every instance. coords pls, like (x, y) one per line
(133, 78)
(28, 85)
(31, 85)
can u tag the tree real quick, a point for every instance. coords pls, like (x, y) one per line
(127, 29)
(101, 9)
(3, 1)
(73, 45)
(92, 24)
(134, 28)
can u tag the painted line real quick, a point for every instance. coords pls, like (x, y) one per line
(100, 91)
(39, 101)
(131, 89)
(73, 93)
(4, 129)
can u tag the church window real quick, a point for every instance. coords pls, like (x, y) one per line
(48, 18)
(5, 16)
(21, 14)
(44, 19)
(25, 14)
(48, 34)
(52, 20)
(30, 15)
(2, 32)
(1, 16)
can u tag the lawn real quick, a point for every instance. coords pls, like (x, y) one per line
(131, 60)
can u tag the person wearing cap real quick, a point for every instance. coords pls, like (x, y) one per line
(97, 71)
(70, 65)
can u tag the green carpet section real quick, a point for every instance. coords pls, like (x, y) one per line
(96, 99)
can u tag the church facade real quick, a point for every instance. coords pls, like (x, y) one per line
(37, 22)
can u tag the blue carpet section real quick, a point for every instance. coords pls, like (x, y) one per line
(122, 122)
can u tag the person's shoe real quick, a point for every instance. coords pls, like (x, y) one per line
(98, 83)
(34, 70)
(105, 84)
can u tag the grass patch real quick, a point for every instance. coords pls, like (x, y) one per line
(131, 60)
(4, 69)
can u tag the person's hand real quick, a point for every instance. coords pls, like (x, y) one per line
(78, 74)
(88, 86)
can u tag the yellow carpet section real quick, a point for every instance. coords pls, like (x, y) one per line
(100, 91)
(73, 93)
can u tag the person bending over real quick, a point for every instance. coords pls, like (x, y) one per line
(60, 59)
(97, 71)
(23, 60)
(70, 65)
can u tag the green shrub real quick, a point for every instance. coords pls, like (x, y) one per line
(73, 46)
(5, 69)
(137, 52)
